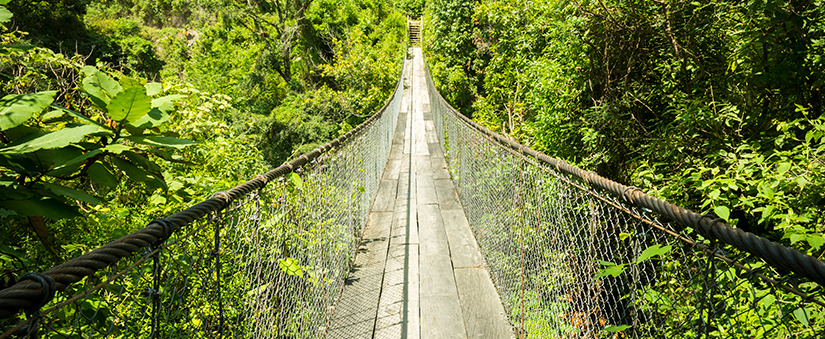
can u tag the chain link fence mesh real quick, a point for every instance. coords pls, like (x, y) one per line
(573, 262)
(270, 265)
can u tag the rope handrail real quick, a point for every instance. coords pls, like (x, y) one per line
(707, 225)
(34, 290)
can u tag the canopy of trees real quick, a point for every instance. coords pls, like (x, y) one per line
(714, 105)
(118, 112)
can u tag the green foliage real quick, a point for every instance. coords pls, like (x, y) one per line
(412, 8)
(39, 154)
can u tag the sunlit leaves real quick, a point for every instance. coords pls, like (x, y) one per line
(16, 109)
(129, 105)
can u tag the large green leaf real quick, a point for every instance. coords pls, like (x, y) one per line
(99, 86)
(143, 162)
(101, 175)
(72, 193)
(5, 14)
(653, 251)
(127, 83)
(15, 109)
(56, 139)
(79, 116)
(166, 103)
(70, 164)
(41, 206)
(161, 141)
(154, 118)
(153, 88)
(138, 174)
(129, 105)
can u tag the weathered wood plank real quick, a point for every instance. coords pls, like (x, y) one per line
(447, 197)
(393, 169)
(441, 317)
(425, 190)
(432, 137)
(385, 197)
(481, 307)
(354, 315)
(463, 247)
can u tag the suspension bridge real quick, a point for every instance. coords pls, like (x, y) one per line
(420, 223)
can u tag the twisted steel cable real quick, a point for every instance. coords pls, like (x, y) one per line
(708, 226)
(30, 294)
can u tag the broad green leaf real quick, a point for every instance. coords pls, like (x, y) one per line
(768, 300)
(56, 139)
(296, 180)
(783, 167)
(611, 270)
(99, 86)
(41, 206)
(129, 105)
(607, 263)
(127, 83)
(142, 161)
(53, 115)
(72, 193)
(153, 88)
(101, 175)
(166, 103)
(161, 141)
(3, 2)
(5, 14)
(722, 211)
(653, 251)
(815, 240)
(802, 316)
(138, 174)
(79, 116)
(616, 328)
(74, 161)
(117, 148)
(154, 118)
(290, 266)
(15, 109)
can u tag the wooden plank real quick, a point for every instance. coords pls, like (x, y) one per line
(354, 315)
(385, 197)
(425, 190)
(463, 247)
(441, 317)
(421, 163)
(435, 150)
(440, 305)
(432, 137)
(392, 170)
(481, 307)
(399, 307)
(447, 197)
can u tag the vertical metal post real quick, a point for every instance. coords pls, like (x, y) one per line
(521, 235)
(216, 220)
(154, 293)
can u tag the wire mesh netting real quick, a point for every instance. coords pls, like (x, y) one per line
(272, 264)
(570, 261)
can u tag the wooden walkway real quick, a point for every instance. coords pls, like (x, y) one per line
(418, 272)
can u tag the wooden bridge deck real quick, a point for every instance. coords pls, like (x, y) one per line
(418, 272)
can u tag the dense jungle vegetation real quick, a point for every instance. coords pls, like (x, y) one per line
(117, 112)
(713, 105)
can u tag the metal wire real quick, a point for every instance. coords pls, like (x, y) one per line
(271, 264)
(574, 261)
